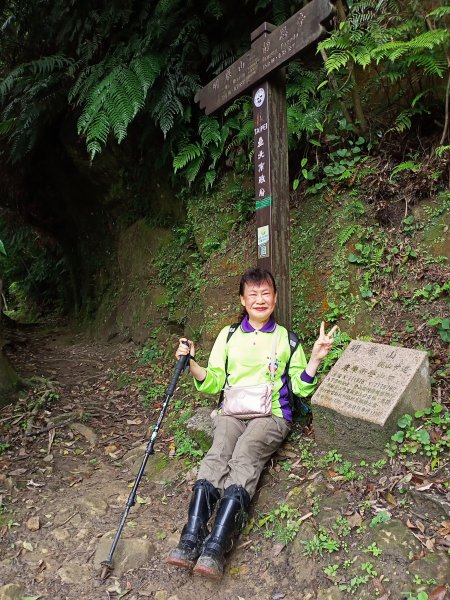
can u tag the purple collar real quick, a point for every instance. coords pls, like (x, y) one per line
(267, 328)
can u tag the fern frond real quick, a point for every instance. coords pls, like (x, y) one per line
(147, 69)
(216, 152)
(246, 131)
(337, 60)
(215, 9)
(438, 13)
(429, 39)
(187, 154)
(209, 131)
(112, 103)
(441, 150)
(347, 233)
(432, 65)
(210, 178)
(192, 170)
(49, 64)
(166, 7)
(403, 121)
(8, 126)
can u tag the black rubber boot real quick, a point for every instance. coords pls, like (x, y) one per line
(230, 519)
(203, 500)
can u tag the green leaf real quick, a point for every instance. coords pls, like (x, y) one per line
(423, 437)
(398, 437)
(321, 85)
(404, 421)
(2, 248)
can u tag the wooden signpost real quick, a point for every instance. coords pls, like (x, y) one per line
(261, 69)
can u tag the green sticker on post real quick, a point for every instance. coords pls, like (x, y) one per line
(267, 201)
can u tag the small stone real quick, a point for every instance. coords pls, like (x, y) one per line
(93, 505)
(396, 540)
(33, 523)
(86, 432)
(431, 504)
(161, 595)
(435, 566)
(74, 573)
(60, 534)
(111, 449)
(131, 553)
(332, 593)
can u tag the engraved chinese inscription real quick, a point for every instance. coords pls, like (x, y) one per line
(368, 380)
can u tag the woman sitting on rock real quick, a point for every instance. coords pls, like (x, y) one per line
(251, 366)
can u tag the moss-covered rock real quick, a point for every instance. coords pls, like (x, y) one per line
(199, 427)
(139, 304)
(212, 215)
(434, 217)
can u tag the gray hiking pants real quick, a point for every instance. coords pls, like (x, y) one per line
(240, 450)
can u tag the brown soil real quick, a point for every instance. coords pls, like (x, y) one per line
(78, 487)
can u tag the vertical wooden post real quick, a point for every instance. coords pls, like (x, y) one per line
(272, 179)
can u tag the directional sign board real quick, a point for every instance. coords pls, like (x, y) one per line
(295, 35)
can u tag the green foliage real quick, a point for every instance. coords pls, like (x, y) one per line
(113, 65)
(150, 352)
(186, 446)
(348, 232)
(443, 327)
(110, 102)
(418, 596)
(428, 434)
(401, 45)
(150, 391)
(342, 527)
(4, 447)
(341, 341)
(231, 139)
(405, 166)
(34, 272)
(381, 517)
(344, 161)
(373, 549)
(354, 583)
(281, 523)
(321, 543)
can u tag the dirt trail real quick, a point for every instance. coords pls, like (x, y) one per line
(77, 486)
(63, 490)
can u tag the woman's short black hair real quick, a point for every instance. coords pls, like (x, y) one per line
(256, 276)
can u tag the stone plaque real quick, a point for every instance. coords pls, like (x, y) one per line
(357, 406)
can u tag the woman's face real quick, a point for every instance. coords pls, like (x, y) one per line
(259, 301)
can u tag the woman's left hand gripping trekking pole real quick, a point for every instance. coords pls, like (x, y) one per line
(187, 347)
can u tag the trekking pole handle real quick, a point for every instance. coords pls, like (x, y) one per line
(179, 368)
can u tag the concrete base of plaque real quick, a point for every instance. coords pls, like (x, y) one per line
(358, 404)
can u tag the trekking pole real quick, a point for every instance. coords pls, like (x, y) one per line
(180, 366)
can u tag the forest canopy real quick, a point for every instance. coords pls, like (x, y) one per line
(104, 65)
(102, 93)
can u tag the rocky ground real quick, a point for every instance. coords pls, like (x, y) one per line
(320, 528)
